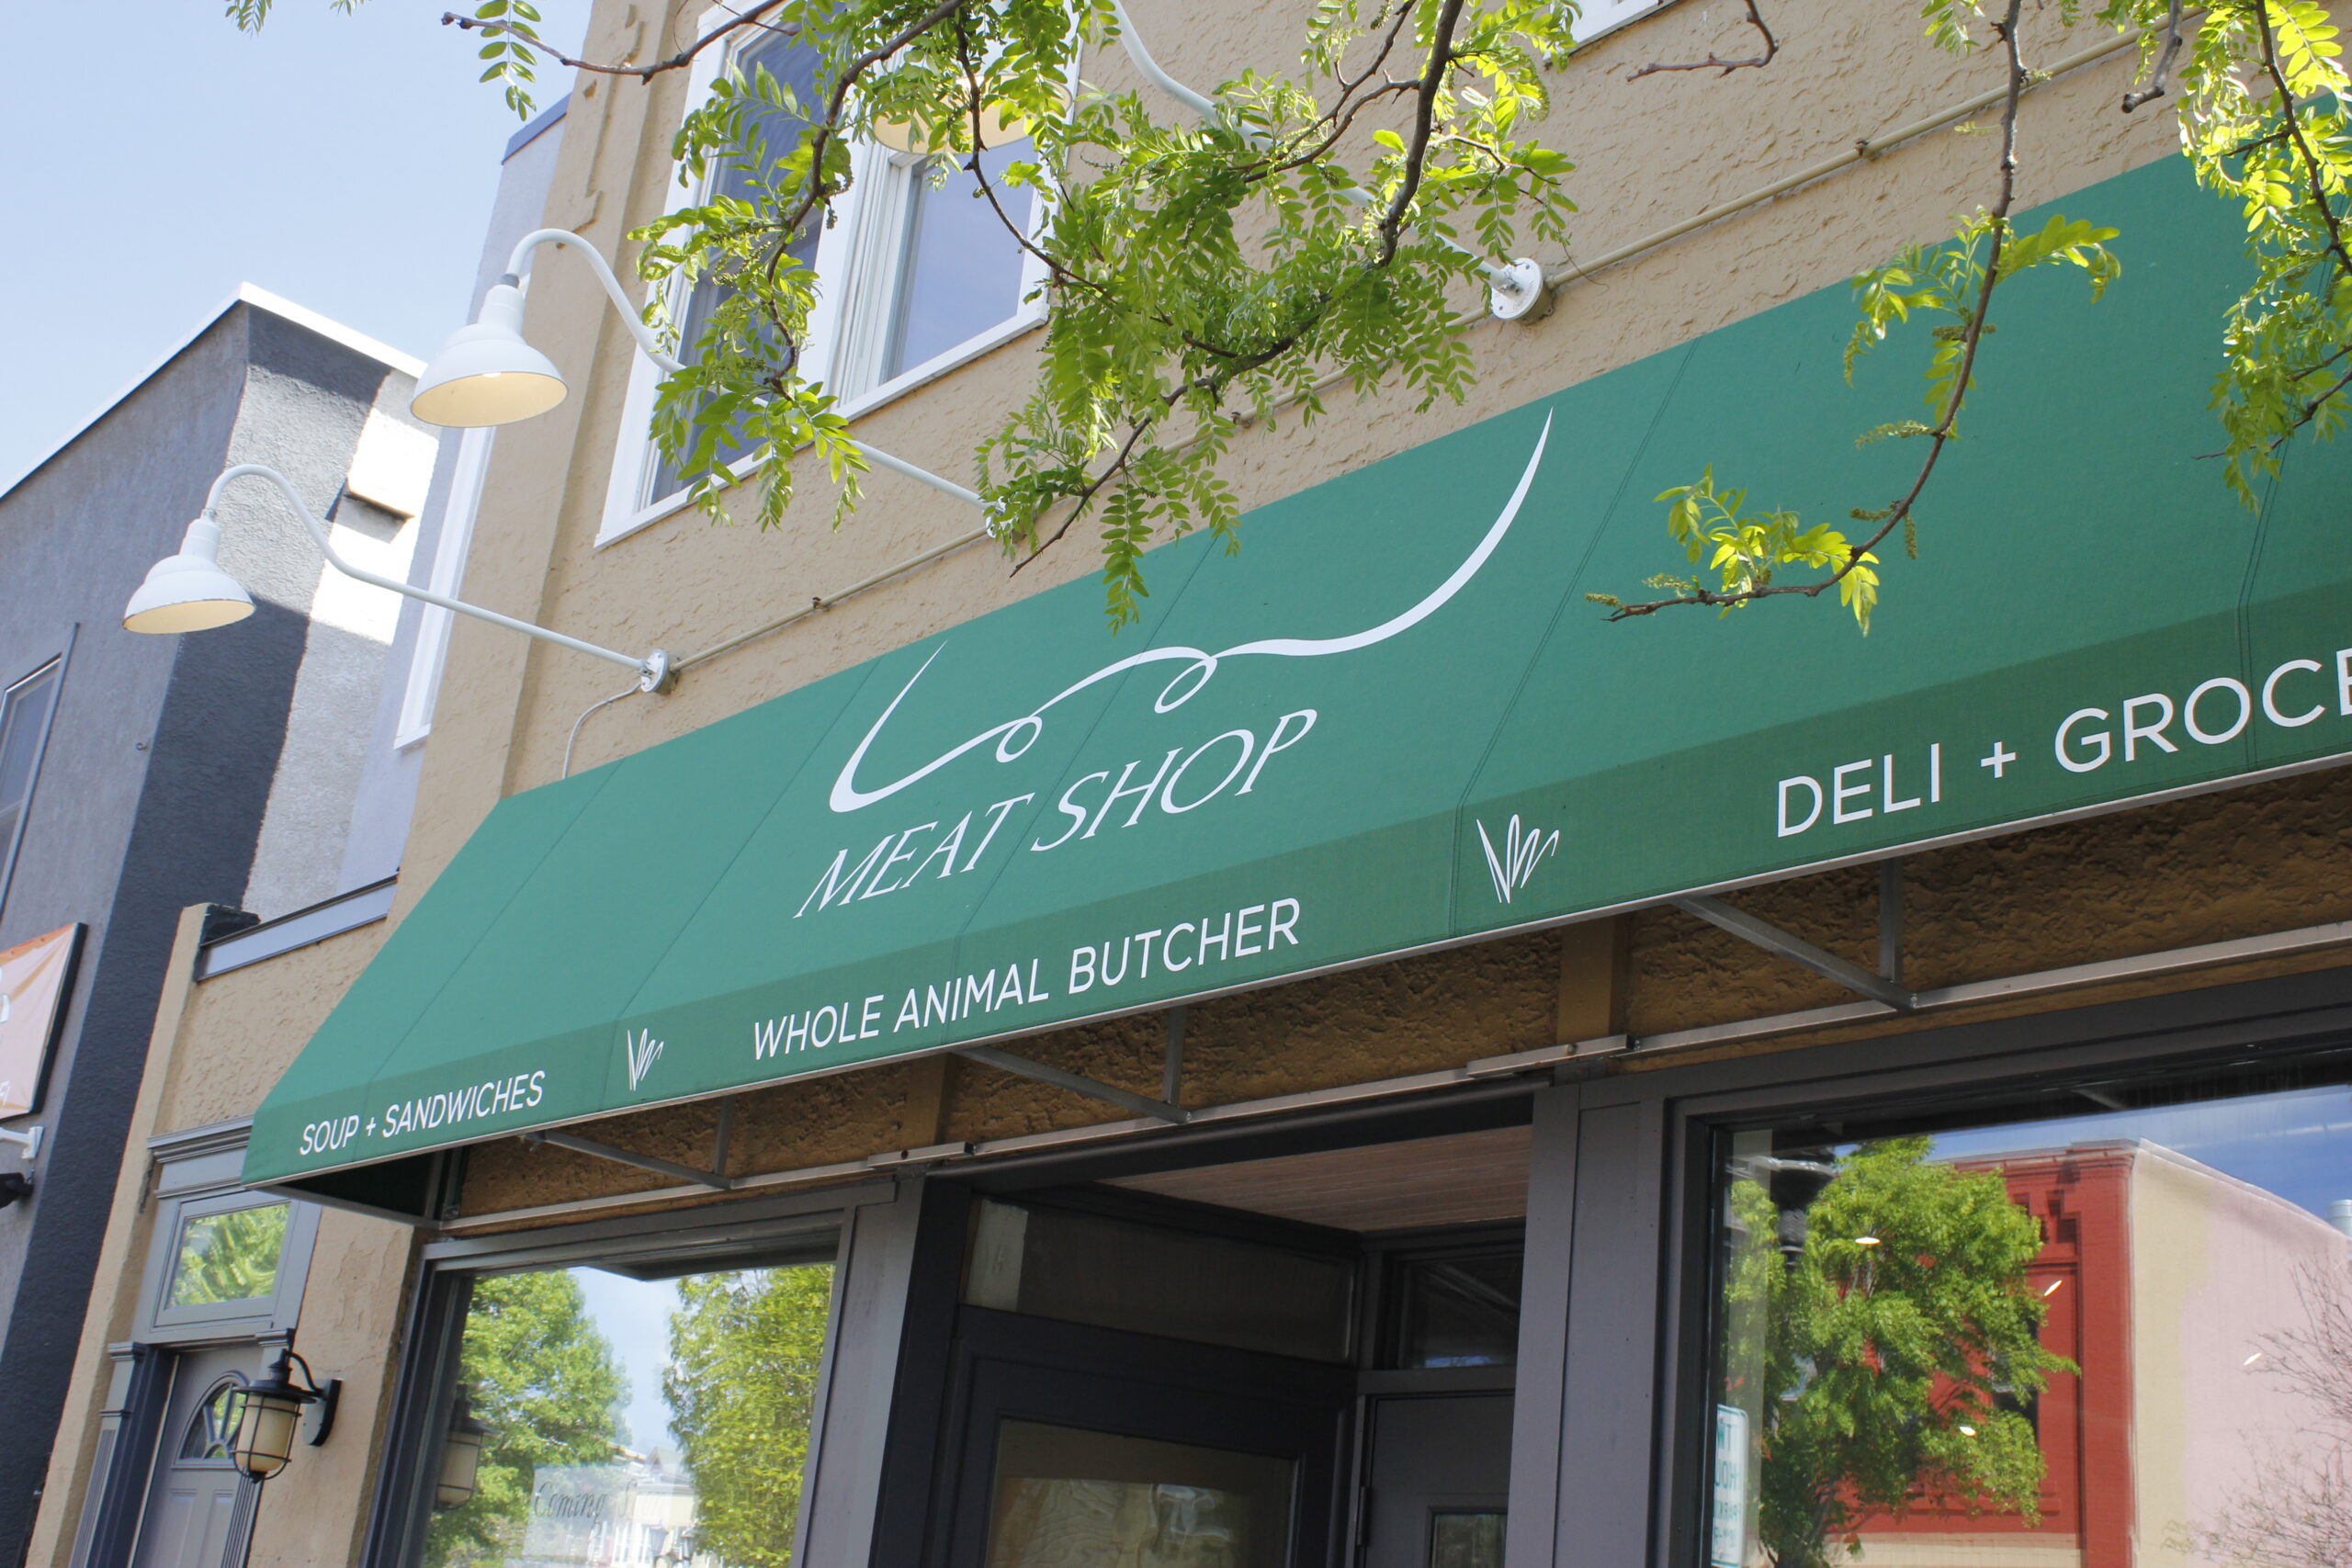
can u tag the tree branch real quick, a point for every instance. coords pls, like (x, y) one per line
(1392, 224)
(2155, 87)
(2312, 173)
(1972, 338)
(748, 17)
(1772, 48)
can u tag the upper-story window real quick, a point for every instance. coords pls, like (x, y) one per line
(913, 276)
(23, 732)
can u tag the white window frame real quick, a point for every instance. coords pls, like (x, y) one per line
(850, 327)
(421, 690)
(1602, 17)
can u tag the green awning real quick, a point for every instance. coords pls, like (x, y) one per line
(1393, 722)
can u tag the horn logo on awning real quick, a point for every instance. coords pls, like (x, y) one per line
(1015, 735)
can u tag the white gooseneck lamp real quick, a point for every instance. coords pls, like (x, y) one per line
(487, 374)
(189, 592)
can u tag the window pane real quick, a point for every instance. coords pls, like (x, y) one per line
(229, 1258)
(23, 721)
(636, 1422)
(213, 1426)
(1150, 1279)
(1464, 1538)
(1459, 1312)
(1068, 1498)
(962, 266)
(2114, 1315)
(793, 66)
(21, 725)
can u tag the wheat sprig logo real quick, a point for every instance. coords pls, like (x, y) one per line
(1523, 849)
(642, 1050)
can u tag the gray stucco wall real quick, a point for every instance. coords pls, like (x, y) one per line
(387, 788)
(159, 767)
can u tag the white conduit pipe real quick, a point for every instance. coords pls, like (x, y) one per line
(1863, 151)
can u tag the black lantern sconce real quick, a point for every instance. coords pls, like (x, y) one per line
(460, 1455)
(271, 1419)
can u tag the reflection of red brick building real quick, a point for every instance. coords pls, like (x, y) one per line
(2161, 1277)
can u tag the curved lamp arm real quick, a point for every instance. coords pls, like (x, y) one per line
(1132, 41)
(669, 364)
(518, 264)
(653, 673)
(1514, 288)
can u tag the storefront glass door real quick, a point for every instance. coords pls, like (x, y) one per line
(1438, 1482)
(1066, 1497)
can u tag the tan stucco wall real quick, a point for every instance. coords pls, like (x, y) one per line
(234, 1041)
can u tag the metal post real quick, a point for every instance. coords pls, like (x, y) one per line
(1890, 919)
(1171, 1071)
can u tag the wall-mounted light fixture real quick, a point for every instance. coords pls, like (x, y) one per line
(461, 1448)
(486, 373)
(189, 593)
(270, 1419)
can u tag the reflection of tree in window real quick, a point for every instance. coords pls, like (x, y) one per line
(231, 1256)
(1870, 1342)
(793, 66)
(545, 1381)
(2296, 1513)
(744, 1351)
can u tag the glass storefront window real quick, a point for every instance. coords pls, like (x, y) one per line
(1070, 1499)
(229, 1257)
(2108, 1325)
(637, 1423)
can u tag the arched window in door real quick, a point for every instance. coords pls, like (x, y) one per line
(212, 1425)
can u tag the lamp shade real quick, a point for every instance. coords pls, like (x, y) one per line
(486, 373)
(188, 592)
(268, 1427)
(1000, 123)
(460, 1455)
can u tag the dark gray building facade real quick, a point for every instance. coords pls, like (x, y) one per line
(149, 773)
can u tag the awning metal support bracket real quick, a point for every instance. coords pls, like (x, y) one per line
(1171, 1069)
(1890, 919)
(1797, 950)
(580, 1145)
(1141, 1104)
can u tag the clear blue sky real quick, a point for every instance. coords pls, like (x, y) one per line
(153, 157)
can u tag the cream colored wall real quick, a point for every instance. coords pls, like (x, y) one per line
(2217, 1265)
